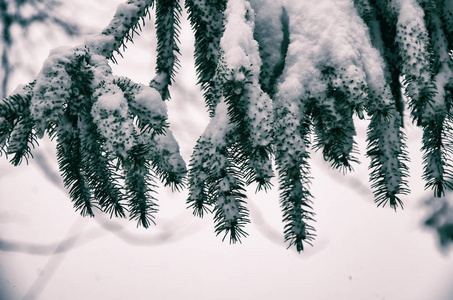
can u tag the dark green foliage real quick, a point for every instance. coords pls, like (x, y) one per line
(437, 146)
(216, 184)
(138, 180)
(388, 164)
(207, 20)
(226, 189)
(335, 129)
(293, 170)
(16, 136)
(71, 163)
(168, 13)
(267, 97)
(77, 100)
(253, 158)
(428, 104)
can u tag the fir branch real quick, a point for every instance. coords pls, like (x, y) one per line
(438, 149)
(249, 108)
(121, 28)
(432, 109)
(296, 205)
(198, 173)
(254, 142)
(388, 155)
(292, 127)
(167, 163)
(207, 20)
(70, 161)
(382, 22)
(413, 43)
(21, 140)
(335, 130)
(71, 157)
(217, 135)
(217, 178)
(168, 13)
(14, 109)
(332, 117)
(138, 180)
(226, 189)
(100, 171)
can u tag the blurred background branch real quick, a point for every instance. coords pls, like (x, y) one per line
(17, 17)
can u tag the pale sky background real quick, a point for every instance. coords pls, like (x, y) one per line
(361, 252)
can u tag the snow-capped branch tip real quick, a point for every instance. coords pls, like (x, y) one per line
(121, 28)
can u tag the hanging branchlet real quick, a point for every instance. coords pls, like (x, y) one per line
(422, 61)
(249, 108)
(331, 76)
(332, 117)
(168, 13)
(292, 128)
(386, 143)
(437, 120)
(71, 162)
(207, 20)
(167, 162)
(16, 136)
(427, 71)
(216, 180)
(386, 140)
(413, 42)
(226, 189)
(382, 22)
(438, 148)
(216, 135)
(388, 154)
(198, 199)
(139, 186)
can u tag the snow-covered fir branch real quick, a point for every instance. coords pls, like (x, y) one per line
(280, 79)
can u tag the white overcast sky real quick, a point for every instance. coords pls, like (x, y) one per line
(361, 252)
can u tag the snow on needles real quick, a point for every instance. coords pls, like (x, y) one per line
(111, 114)
(112, 37)
(51, 89)
(329, 33)
(239, 46)
(242, 59)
